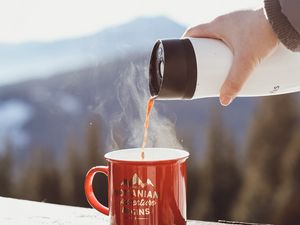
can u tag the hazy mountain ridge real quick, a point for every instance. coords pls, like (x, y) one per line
(39, 59)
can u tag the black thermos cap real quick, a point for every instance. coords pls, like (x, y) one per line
(173, 69)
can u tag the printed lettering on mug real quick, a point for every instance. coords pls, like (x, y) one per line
(138, 197)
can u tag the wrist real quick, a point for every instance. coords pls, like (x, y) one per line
(261, 12)
(265, 25)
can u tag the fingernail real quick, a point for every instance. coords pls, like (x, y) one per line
(225, 100)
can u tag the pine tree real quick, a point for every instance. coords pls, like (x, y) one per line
(41, 179)
(78, 162)
(220, 174)
(195, 183)
(6, 171)
(94, 156)
(270, 134)
(93, 151)
(287, 197)
(73, 173)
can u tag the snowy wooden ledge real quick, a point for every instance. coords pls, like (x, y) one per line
(16, 212)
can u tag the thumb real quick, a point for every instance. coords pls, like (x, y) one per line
(202, 30)
(239, 72)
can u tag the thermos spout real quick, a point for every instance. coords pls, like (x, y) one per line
(173, 69)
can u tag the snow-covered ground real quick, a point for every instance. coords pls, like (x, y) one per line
(16, 212)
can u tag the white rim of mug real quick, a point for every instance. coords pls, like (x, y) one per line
(182, 154)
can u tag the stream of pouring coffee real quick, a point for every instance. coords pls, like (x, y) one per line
(150, 105)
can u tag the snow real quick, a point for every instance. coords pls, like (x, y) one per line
(15, 212)
(60, 100)
(14, 114)
(69, 104)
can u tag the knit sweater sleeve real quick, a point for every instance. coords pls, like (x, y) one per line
(284, 17)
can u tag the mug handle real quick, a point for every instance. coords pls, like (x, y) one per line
(88, 187)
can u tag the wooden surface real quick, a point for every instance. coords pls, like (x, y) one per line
(22, 212)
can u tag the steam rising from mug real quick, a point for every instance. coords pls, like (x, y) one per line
(125, 113)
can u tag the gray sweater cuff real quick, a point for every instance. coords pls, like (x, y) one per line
(281, 25)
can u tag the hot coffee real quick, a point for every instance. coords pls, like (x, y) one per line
(149, 107)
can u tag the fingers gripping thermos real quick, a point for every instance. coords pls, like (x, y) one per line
(194, 68)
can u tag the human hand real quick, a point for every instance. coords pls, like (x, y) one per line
(249, 36)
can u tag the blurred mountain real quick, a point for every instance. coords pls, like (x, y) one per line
(28, 60)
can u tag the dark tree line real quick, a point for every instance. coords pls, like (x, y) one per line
(261, 184)
(45, 178)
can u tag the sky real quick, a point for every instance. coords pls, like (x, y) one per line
(49, 20)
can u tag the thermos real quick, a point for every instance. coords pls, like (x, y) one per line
(194, 68)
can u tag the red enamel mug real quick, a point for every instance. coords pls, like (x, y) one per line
(143, 192)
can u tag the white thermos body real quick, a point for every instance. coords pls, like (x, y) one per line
(197, 67)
